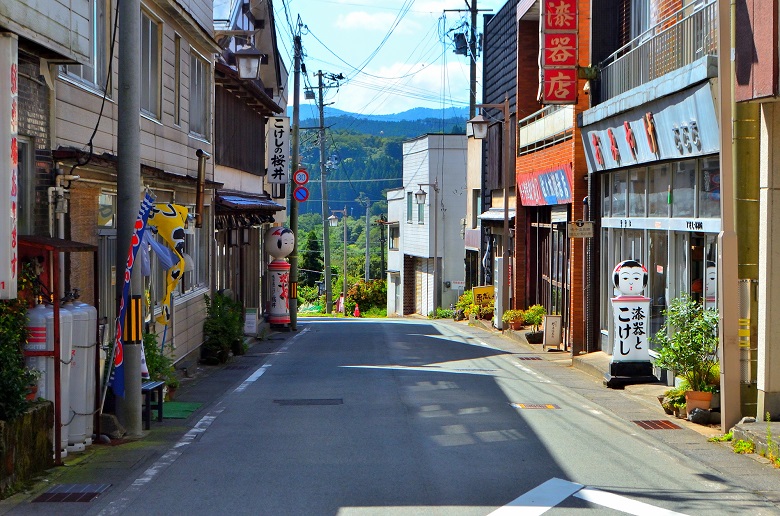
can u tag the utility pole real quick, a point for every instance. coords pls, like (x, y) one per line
(294, 166)
(473, 60)
(365, 201)
(128, 195)
(325, 211)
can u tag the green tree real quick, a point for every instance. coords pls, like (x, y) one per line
(311, 264)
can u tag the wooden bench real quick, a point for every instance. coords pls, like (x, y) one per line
(153, 399)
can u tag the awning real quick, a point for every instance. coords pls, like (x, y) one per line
(241, 210)
(496, 214)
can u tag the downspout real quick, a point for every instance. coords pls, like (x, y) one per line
(58, 208)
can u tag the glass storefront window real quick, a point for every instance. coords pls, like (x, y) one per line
(657, 274)
(637, 192)
(709, 188)
(619, 189)
(683, 188)
(606, 194)
(658, 191)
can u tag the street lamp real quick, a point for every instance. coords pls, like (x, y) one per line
(479, 126)
(333, 221)
(248, 61)
(420, 196)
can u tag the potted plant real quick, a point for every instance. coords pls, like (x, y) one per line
(688, 343)
(534, 316)
(514, 318)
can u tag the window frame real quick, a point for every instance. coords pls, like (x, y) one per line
(151, 64)
(199, 95)
(409, 209)
(393, 237)
(95, 75)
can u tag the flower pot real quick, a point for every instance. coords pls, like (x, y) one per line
(32, 392)
(515, 325)
(534, 337)
(697, 399)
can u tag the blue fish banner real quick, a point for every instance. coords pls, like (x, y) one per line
(117, 378)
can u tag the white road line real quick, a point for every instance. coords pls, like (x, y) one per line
(263, 368)
(621, 503)
(540, 499)
(533, 373)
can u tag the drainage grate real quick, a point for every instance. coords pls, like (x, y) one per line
(237, 367)
(657, 424)
(535, 406)
(72, 493)
(315, 401)
(529, 358)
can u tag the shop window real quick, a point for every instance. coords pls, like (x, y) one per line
(619, 189)
(683, 188)
(106, 210)
(709, 188)
(606, 201)
(637, 192)
(658, 269)
(658, 191)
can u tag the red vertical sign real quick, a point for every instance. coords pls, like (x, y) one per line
(558, 49)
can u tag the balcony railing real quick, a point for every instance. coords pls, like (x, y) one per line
(677, 41)
(547, 126)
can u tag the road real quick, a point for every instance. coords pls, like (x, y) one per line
(412, 417)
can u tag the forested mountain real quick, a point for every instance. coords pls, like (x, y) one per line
(363, 160)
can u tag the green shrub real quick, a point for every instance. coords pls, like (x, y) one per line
(368, 294)
(307, 295)
(465, 301)
(223, 328)
(14, 376)
(512, 315)
(534, 316)
(160, 365)
(741, 446)
(441, 313)
(688, 342)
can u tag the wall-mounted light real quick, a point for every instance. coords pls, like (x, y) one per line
(248, 61)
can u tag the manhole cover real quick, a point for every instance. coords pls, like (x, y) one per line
(529, 358)
(657, 424)
(548, 406)
(316, 401)
(72, 493)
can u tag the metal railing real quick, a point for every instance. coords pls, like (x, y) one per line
(545, 127)
(676, 41)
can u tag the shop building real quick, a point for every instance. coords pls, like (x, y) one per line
(651, 143)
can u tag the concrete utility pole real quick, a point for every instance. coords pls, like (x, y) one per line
(365, 201)
(473, 60)
(128, 194)
(325, 211)
(293, 167)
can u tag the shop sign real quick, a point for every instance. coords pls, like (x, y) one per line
(631, 312)
(581, 229)
(558, 52)
(9, 157)
(483, 295)
(278, 154)
(546, 187)
(682, 127)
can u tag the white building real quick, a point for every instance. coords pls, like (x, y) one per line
(426, 251)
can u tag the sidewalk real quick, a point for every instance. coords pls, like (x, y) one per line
(596, 365)
(117, 464)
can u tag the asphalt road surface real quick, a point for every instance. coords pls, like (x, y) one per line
(413, 417)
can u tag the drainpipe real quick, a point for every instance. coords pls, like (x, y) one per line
(747, 206)
(58, 208)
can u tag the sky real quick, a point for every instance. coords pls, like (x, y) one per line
(395, 55)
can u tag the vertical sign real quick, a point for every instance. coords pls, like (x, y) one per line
(9, 169)
(278, 154)
(558, 52)
(631, 313)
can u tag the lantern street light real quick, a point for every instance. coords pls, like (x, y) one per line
(333, 221)
(420, 196)
(248, 61)
(479, 126)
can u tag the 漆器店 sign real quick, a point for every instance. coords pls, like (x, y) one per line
(558, 52)
(278, 154)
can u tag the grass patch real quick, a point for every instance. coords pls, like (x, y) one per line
(741, 446)
(721, 438)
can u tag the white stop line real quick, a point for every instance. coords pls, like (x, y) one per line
(546, 496)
